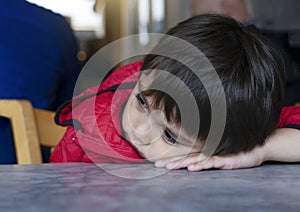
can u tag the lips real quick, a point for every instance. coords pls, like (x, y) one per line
(132, 139)
(136, 141)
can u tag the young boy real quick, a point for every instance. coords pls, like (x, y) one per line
(146, 110)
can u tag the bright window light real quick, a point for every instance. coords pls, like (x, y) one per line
(158, 10)
(144, 19)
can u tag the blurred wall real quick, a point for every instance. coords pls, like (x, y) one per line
(276, 14)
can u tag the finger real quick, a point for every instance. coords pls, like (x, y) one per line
(185, 162)
(184, 159)
(163, 163)
(213, 162)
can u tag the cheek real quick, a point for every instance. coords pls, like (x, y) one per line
(128, 114)
(133, 117)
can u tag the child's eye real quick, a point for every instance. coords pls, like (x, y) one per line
(142, 104)
(168, 137)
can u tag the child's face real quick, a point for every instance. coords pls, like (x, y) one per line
(149, 132)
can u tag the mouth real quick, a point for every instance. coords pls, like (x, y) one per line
(137, 145)
(134, 141)
(131, 139)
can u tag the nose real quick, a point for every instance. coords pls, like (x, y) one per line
(148, 130)
(143, 127)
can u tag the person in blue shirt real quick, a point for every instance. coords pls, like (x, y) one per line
(38, 62)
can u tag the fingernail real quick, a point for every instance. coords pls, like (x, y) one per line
(170, 165)
(191, 166)
(194, 168)
(158, 163)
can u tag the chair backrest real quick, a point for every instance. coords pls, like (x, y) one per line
(31, 128)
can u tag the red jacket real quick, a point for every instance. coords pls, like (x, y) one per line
(97, 137)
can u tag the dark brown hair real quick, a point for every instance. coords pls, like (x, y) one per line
(251, 71)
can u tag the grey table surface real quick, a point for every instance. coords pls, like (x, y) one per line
(132, 187)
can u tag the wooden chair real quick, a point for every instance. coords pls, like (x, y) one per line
(31, 128)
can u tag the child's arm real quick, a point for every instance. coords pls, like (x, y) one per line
(283, 145)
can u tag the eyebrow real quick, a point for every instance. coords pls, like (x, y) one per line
(140, 86)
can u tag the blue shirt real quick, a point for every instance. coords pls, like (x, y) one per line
(37, 59)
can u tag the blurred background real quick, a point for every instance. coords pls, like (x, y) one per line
(99, 22)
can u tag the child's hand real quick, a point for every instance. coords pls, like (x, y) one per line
(283, 145)
(198, 162)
